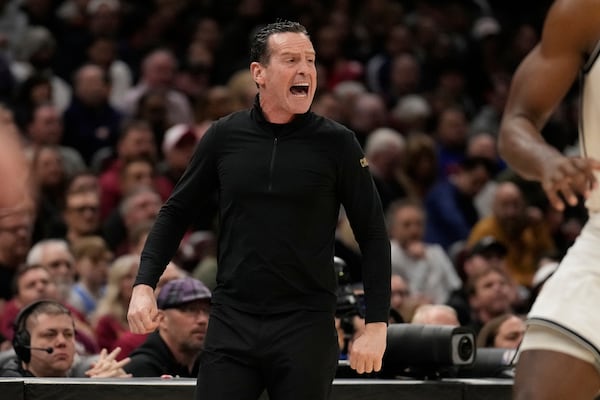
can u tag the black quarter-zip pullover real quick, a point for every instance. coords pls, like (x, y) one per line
(280, 188)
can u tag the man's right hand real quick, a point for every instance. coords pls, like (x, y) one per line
(143, 313)
(569, 176)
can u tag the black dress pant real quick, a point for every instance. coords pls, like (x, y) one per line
(292, 355)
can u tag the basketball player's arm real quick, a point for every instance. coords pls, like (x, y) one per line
(539, 85)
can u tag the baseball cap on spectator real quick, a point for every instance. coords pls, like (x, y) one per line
(175, 134)
(177, 292)
(487, 246)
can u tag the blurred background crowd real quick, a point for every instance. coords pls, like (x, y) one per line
(110, 98)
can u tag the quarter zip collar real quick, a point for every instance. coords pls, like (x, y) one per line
(278, 130)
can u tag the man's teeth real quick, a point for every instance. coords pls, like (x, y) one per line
(300, 89)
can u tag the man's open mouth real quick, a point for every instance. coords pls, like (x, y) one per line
(300, 89)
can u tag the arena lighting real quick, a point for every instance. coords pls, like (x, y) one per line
(427, 351)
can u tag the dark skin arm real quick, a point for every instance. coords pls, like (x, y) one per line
(542, 80)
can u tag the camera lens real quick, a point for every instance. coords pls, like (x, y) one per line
(465, 348)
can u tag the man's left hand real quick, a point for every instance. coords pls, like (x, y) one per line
(368, 348)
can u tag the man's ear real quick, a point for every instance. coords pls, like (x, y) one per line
(160, 317)
(257, 71)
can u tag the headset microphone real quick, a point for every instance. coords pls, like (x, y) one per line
(48, 350)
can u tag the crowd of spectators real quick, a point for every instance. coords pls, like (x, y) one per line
(110, 98)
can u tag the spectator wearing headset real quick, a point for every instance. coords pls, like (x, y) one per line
(44, 344)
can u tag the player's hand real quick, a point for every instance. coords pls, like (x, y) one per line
(143, 313)
(569, 176)
(368, 348)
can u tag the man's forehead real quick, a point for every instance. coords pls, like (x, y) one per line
(51, 322)
(290, 42)
(491, 277)
(16, 219)
(147, 197)
(35, 274)
(82, 197)
(55, 249)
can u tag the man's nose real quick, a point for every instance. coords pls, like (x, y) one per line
(304, 67)
(61, 340)
(202, 316)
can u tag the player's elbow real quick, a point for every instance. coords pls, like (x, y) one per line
(504, 142)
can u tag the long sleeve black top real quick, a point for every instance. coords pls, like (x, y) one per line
(280, 187)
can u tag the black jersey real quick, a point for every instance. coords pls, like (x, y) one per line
(280, 187)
